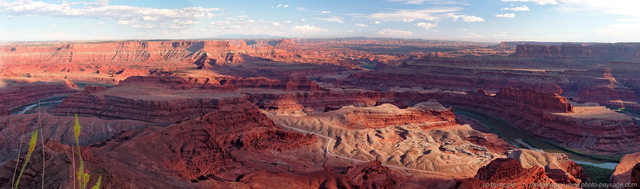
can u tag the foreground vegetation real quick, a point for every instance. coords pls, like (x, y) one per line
(597, 174)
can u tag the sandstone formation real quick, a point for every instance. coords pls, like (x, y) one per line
(147, 103)
(57, 167)
(316, 113)
(22, 92)
(3, 111)
(170, 99)
(424, 138)
(557, 166)
(542, 112)
(625, 169)
(508, 173)
(530, 98)
(56, 128)
(589, 129)
(603, 51)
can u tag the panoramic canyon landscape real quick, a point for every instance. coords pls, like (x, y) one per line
(243, 105)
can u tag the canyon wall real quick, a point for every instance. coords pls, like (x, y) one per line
(603, 51)
(20, 93)
(133, 51)
(588, 129)
(543, 112)
(507, 173)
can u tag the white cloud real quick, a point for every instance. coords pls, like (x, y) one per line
(521, 8)
(466, 18)
(419, 2)
(361, 25)
(539, 2)
(126, 22)
(280, 6)
(612, 7)
(463, 29)
(325, 12)
(149, 18)
(181, 24)
(125, 15)
(303, 19)
(276, 24)
(145, 26)
(308, 29)
(505, 15)
(425, 25)
(332, 19)
(394, 33)
(301, 9)
(239, 25)
(431, 14)
(628, 31)
(412, 15)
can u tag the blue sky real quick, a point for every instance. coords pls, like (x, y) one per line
(467, 20)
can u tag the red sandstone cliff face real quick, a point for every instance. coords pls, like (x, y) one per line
(58, 135)
(171, 99)
(363, 175)
(22, 93)
(58, 169)
(171, 109)
(129, 51)
(605, 51)
(111, 62)
(387, 114)
(371, 175)
(6, 72)
(594, 130)
(535, 98)
(3, 111)
(556, 165)
(624, 172)
(507, 173)
(222, 145)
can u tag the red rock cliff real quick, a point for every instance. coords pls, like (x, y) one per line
(536, 98)
(506, 173)
(606, 51)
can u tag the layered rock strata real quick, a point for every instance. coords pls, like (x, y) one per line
(604, 51)
(624, 172)
(557, 166)
(222, 146)
(423, 138)
(509, 173)
(20, 93)
(589, 129)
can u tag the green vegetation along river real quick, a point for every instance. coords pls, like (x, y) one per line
(524, 139)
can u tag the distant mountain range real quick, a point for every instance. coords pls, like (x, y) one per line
(240, 36)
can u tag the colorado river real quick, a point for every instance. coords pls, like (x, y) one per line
(42, 103)
(517, 137)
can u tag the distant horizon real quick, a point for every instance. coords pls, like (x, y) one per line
(490, 21)
(311, 38)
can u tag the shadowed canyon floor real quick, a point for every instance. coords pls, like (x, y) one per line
(319, 113)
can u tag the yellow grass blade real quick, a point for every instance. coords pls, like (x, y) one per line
(32, 147)
(97, 185)
(76, 128)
